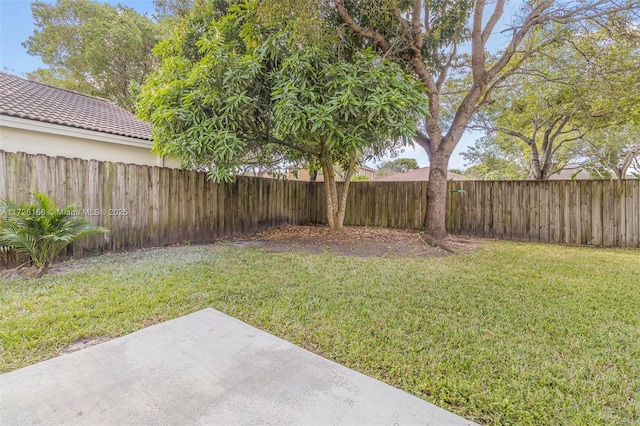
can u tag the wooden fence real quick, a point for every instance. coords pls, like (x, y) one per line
(385, 204)
(596, 212)
(146, 206)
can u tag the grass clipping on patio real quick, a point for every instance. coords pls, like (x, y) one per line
(507, 334)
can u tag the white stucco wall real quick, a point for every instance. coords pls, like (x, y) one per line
(33, 137)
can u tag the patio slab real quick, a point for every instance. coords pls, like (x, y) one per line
(205, 368)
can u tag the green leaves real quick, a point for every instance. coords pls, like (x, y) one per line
(41, 229)
(93, 48)
(399, 165)
(354, 105)
(255, 93)
(250, 90)
(555, 109)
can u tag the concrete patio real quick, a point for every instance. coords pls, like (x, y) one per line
(205, 368)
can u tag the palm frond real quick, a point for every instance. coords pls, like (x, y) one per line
(41, 230)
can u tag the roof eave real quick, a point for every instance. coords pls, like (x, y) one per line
(57, 129)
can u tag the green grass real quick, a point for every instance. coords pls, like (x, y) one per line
(512, 334)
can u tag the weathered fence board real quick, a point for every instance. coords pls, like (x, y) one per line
(149, 206)
(603, 213)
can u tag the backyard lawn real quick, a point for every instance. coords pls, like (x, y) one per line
(511, 333)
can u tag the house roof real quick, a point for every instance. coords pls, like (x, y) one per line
(367, 168)
(417, 175)
(40, 102)
(570, 172)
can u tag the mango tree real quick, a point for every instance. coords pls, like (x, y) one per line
(231, 91)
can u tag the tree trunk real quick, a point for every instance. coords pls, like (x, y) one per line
(342, 207)
(625, 165)
(336, 205)
(535, 173)
(435, 218)
(330, 191)
(330, 201)
(618, 174)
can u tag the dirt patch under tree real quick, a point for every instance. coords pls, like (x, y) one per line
(353, 241)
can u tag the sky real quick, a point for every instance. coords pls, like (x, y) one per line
(16, 25)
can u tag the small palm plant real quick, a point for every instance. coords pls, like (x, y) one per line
(41, 229)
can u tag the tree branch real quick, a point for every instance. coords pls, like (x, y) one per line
(563, 122)
(534, 125)
(445, 70)
(493, 20)
(372, 35)
(590, 10)
(415, 24)
(522, 57)
(530, 21)
(427, 16)
(303, 149)
(424, 141)
(518, 135)
(477, 44)
(628, 160)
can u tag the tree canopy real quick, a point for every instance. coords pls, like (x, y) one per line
(399, 165)
(93, 48)
(612, 152)
(495, 157)
(436, 41)
(231, 91)
(563, 106)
